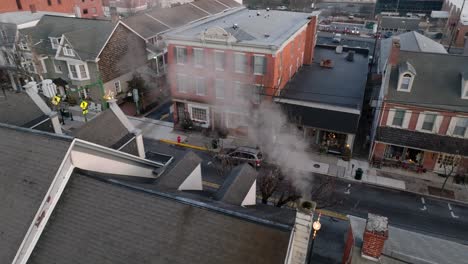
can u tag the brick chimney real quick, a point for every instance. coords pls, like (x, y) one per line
(114, 14)
(374, 237)
(394, 51)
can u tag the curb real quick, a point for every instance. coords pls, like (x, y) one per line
(333, 214)
(167, 141)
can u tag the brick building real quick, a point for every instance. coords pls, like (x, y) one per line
(82, 8)
(422, 114)
(456, 29)
(221, 66)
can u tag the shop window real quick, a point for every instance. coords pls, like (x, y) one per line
(394, 152)
(199, 114)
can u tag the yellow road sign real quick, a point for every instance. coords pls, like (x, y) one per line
(85, 112)
(84, 105)
(56, 100)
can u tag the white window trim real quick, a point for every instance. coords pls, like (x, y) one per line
(264, 61)
(464, 92)
(206, 108)
(68, 51)
(453, 124)
(184, 76)
(224, 60)
(400, 79)
(437, 122)
(55, 46)
(177, 55)
(193, 55)
(196, 88)
(55, 67)
(245, 60)
(43, 65)
(77, 65)
(391, 116)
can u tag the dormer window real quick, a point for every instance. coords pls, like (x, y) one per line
(68, 51)
(55, 42)
(407, 74)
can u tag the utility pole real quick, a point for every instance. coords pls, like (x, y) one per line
(452, 37)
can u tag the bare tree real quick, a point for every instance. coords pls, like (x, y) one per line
(268, 182)
(288, 194)
(449, 168)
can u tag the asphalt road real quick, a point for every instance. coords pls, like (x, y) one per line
(406, 210)
(161, 111)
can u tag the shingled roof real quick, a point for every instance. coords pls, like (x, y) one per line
(103, 222)
(29, 161)
(424, 141)
(237, 184)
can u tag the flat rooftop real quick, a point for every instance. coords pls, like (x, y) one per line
(252, 28)
(343, 85)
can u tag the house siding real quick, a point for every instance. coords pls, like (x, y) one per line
(124, 52)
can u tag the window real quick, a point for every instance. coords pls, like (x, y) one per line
(181, 55)
(219, 88)
(429, 120)
(19, 5)
(73, 71)
(59, 2)
(405, 82)
(198, 57)
(93, 10)
(68, 51)
(259, 65)
(219, 60)
(182, 83)
(238, 90)
(239, 62)
(4, 35)
(78, 71)
(200, 86)
(199, 114)
(461, 127)
(85, 11)
(118, 88)
(49, 2)
(55, 42)
(58, 68)
(398, 118)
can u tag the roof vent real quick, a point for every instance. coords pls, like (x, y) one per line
(350, 56)
(339, 49)
(267, 9)
(235, 26)
(258, 13)
(266, 35)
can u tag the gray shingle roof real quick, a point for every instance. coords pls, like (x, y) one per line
(410, 41)
(237, 184)
(100, 222)
(29, 161)
(437, 84)
(19, 109)
(279, 25)
(180, 171)
(148, 24)
(86, 36)
(23, 17)
(420, 140)
(105, 129)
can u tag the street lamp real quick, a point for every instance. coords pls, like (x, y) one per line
(316, 225)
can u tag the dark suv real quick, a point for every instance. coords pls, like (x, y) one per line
(252, 156)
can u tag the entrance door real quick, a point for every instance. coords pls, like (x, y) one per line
(180, 111)
(447, 164)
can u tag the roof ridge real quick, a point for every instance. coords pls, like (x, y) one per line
(192, 202)
(38, 132)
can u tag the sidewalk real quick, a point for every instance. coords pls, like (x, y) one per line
(319, 163)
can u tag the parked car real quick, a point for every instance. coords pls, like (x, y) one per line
(388, 34)
(250, 155)
(337, 38)
(355, 30)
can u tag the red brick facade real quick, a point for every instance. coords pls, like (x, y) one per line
(280, 66)
(373, 243)
(93, 8)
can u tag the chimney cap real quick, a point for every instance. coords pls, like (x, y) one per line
(377, 223)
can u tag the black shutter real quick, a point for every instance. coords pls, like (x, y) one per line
(185, 55)
(264, 65)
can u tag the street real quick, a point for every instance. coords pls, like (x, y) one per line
(405, 210)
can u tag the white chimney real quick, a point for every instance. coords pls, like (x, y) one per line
(301, 234)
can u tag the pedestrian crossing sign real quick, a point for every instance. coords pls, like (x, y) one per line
(56, 100)
(84, 105)
(85, 112)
